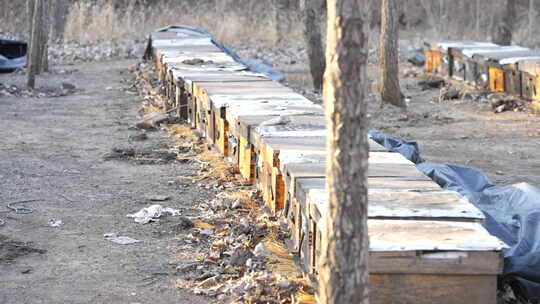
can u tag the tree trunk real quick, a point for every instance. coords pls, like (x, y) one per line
(282, 19)
(30, 17)
(45, 33)
(343, 273)
(58, 15)
(388, 56)
(478, 16)
(531, 21)
(313, 37)
(35, 44)
(505, 26)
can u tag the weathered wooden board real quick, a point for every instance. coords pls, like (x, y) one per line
(246, 118)
(432, 288)
(440, 56)
(431, 260)
(462, 67)
(512, 80)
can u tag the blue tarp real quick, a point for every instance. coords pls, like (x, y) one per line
(512, 213)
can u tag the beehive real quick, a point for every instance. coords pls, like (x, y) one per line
(276, 138)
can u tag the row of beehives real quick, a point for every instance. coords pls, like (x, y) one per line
(511, 69)
(426, 245)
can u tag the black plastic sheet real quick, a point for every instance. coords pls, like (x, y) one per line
(12, 55)
(512, 213)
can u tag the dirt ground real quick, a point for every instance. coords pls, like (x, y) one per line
(52, 151)
(58, 151)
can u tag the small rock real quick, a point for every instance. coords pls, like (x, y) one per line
(159, 198)
(55, 223)
(451, 93)
(184, 224)
(261, 250)
(431, 83)
(240, 257)
(185, 267)
(236, 204)
(207, 231)
(68, 86)
(144, 126)
(138, 137)
(283, 283)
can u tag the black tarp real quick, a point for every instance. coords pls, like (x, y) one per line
(12, 55)
(512, 213)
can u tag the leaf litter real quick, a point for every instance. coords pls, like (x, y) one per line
(228, 247)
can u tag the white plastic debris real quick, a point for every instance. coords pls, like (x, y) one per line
(55, 223)
(122, 240)
(152, 213)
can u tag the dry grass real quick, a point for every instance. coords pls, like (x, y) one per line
(230, 23)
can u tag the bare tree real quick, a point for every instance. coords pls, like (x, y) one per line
(282, 18)
(531, 22)
(312, 34)
(59, 11)
(45, 35)
(35, 9)
(504, 27)
(389, 62)
(344, 247)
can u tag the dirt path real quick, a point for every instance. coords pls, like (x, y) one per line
(52, 150)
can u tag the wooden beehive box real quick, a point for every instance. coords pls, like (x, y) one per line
(245, 111)
(303, 172)
(488, 64)
(440, 59)
(463, 68)
(433, 260)
(213, 111)
(517, 82)
(530, 73)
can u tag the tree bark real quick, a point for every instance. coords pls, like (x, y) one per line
(45, 34)
(30, 17)
(35, 44)
(388, 56)
(313, 38)
(531, 20)
(505, 26)
(343, 273)
(282, 18)
(478, 17)
(59, 11)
